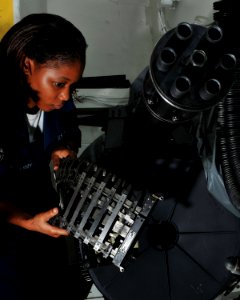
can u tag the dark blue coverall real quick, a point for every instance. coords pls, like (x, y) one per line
(33, 265)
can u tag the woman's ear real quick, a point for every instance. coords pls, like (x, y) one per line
(28, 66)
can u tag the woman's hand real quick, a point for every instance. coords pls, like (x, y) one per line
(58, 154)
(40, 224)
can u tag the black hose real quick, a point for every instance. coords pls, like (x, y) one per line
(228, 121)
(228, 140)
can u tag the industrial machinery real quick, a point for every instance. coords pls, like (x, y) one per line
(160, 212)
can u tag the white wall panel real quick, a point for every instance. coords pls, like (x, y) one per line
(119, 33)
(192, 11)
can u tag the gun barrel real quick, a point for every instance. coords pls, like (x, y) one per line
(166, 59)
(181, 86)
(228, 61)
(210, 89)
(184, 31)
(214, 34)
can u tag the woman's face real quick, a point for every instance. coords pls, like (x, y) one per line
(52, 83)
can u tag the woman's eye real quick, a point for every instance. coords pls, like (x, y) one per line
(59, 84)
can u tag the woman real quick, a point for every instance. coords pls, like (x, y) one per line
(42, 57)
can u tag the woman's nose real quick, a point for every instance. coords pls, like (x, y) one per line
(64, 95)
